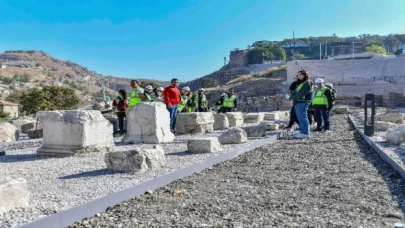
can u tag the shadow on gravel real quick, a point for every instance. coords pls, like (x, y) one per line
(182, 153)
(93, 173)
(20, 158)
(393, 180)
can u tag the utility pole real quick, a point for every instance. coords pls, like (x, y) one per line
(320, 51)
(224, 61)
(353, 50)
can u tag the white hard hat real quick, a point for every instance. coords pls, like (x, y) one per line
(318, 80)
(186, 88)
(148, 87)
(160, 89)
(329, 84)
(201, 89)
(224, 94)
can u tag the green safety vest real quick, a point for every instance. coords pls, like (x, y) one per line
(320, 98)
(299, 87)
(149, 98)
(134, 99)
(204, 102)
(229, 102)
(183, 105)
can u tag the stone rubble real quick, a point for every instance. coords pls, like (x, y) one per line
(255, 131)
(233, 136)
(341, 109)
(14, 193)
(383, 126)
(8, 132)
(235, 119)
(221, 121)
(269, 126)
(253, 117)
(203, 145)
(195, 122)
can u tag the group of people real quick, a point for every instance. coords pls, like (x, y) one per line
(176, 101)
(309, 97)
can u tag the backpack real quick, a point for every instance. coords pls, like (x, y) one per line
(122, 105)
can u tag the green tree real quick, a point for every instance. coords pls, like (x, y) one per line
(49, 98)
(209, 82)
(15, 96)
(4, 115)
(96, 106)
(299, 56)
(375, 48)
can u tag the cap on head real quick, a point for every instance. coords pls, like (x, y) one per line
(160, 89)
(148, 87)
(329, 85)
(186, 88)
(318, 80)
(201, 89)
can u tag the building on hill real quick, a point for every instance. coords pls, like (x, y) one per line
(9, 108)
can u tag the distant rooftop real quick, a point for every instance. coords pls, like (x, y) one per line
(6, 103)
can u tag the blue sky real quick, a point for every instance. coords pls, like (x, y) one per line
(179, 38)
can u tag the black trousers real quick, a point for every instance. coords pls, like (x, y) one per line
(293, 117)
(121, 116)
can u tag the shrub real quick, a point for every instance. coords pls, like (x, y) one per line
(4, 115)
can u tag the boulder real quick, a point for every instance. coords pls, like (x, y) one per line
(235, 119)
(272, 116)
(221, 121)
(233, 136)
(136, 160)
(13, 193)
(253, 117)
(255, 131)
(395, 136)
(195, 122)
(148, 122)
(383, 126)
(204, 145)
(397, 118)
(25, 124)
(8, 132)
(36, 134)
(341, 109)
(70, 132)
(270, 126)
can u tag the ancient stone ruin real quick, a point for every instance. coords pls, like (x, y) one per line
(71, 132)
(148, 122)
(196, 122)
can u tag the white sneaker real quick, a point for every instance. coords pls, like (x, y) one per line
(302, 136)
(296, 133)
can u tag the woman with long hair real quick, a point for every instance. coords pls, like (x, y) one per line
(120, 105)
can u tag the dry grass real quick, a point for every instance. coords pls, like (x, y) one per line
(270, 73)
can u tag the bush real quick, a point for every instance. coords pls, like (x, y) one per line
(4, 116)
(209, 82)
(96, 106)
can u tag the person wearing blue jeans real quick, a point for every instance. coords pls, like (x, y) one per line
(301, 98)
(173, 115)
(322, 103)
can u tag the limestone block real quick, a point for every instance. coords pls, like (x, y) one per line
(233, 136)
(221, 121)
(203, 145)
(148, 122)
(71, 132)
(235, 119)
(341, 109)
(8, 132)
(397, 118)
(395, 136)
(13, 193)
(269, 126)
(253, 117)
(195, 122)
(383, 126)
(255, 131)
(136, 160)
(272, 116)
(114, 122)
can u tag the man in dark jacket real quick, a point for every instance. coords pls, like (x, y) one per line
(293, 115)
(322, 102)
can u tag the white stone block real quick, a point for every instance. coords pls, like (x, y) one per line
(8, 132)
(253, 117)
(272, 116)
(148, 122)
(235, 119)
(395, 136)
(270, 126)
(341, 109)
(13, 193)
(221, 121)
(195, 122)
(71, 132)
(397, 118)
(383, 126)
(233, 136)
(136, 160)
(255, 131)
(205, 145)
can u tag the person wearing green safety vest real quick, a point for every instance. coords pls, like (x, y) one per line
(137, 95)
(186, 104)
(219, 103)
(159, 94)
(322, 101)
(228, 102)
(199, 101)
(333, 93)
(149, 95)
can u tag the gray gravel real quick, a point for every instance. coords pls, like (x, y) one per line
(58, 184)
(331, 180)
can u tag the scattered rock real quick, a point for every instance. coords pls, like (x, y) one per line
(195, 122)
(25, 124)
(341, 109)
(269, 126)
(402, 146)
(397, 118)
(272, 116)
(36, 134)
(148, 122)
(221, 121)
(71, 132)
(395, 136)
(203, 145)
(255, 131)
(383, 126)
(155, 157)
(8, 132)
(177, 192)
(13, 193)
(233, 136)
(235, 119)
(253, 117)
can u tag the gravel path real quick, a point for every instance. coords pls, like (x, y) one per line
(332, 180)
(58, 184)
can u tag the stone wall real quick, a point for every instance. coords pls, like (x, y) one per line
(264, 104)
(396, 99)
(238, 58)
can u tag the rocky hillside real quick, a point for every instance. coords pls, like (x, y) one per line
(27, 69)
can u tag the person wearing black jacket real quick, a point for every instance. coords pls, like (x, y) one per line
(322, 102)
(293, 115)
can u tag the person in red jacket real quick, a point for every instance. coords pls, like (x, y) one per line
(171, 96)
